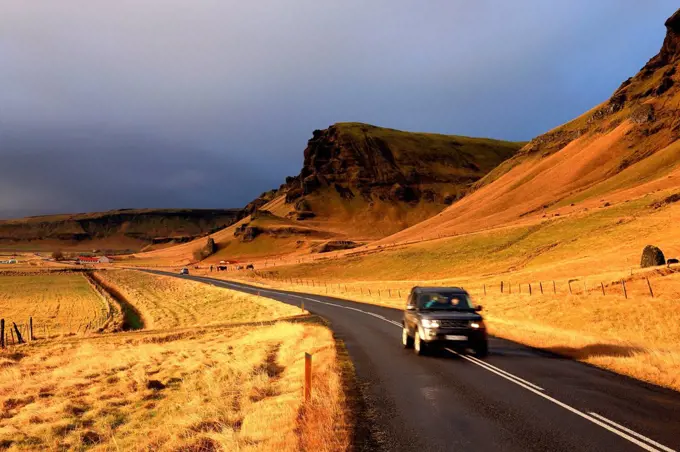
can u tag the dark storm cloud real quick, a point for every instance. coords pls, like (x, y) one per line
(168, 103)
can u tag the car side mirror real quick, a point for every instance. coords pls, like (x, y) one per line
(478, 307)
(410, 307)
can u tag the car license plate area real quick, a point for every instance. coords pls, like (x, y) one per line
(455, 337)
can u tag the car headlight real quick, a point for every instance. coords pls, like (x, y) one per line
(477, 324)
(427, 323)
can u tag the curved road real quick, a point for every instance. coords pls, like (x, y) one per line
(516, 399)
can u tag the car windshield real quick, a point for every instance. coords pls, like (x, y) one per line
(445, 301)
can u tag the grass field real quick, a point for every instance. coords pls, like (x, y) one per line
(64, 303)
(167, 302)
(212, 370)
(216, 388)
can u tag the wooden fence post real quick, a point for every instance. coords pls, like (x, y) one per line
(484, 289)
(308, 377)
(625, 293)
(20, 340)
(569, 283)
(651, 292)
(501, 286)
(302, 306)
(529, 288)
(554, 287)
(540, 284)
(30, 329)
(602, 284)
(399, 293)
(519, 287)
(2, 333)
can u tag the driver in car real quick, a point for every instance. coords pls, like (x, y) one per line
(436, 302)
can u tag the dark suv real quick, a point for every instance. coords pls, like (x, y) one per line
(443, 317)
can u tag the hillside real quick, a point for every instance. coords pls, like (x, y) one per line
(622, 149)
(116, 230)
(358, 183)
(366, 182)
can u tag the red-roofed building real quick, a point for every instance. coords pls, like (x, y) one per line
(94, 260)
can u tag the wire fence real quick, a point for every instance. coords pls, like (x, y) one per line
(631, 287)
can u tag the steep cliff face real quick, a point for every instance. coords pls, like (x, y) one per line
(134, 227)
(354, 160)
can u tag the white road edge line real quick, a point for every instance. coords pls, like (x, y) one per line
(574, 410)
(592, 417)
(634, 433)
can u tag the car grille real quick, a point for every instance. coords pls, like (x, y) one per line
(453, 323)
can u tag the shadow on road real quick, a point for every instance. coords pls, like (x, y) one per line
(593, 350)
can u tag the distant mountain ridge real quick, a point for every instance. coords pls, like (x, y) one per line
(124, 228)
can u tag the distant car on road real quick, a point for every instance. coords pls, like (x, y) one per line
(250, 267)
(184, 271)
(443, 317)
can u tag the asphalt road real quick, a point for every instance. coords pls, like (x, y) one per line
(516, 399)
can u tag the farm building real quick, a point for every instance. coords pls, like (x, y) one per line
(94, 260)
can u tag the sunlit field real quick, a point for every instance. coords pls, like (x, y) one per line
(167, 302)
(212, 370)
(216, 388)
(59, 303)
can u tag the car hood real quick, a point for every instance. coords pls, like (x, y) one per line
(450, 315)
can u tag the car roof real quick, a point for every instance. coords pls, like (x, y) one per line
(434, 289)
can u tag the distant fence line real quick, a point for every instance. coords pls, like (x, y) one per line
(574, 287)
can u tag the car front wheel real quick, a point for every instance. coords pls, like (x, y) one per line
(481, 349)
(419, 345)
(406, 339)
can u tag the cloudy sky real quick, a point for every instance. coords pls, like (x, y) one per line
(167, 103)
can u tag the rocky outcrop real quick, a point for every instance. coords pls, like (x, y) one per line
(670, 50)
(336, 245)
(652, 256)
(359, 160)
(247, 233)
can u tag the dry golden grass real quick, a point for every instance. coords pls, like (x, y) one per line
(167, 302)
(218, 371)
(212, 388)
(639, 337)
(64, 303)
